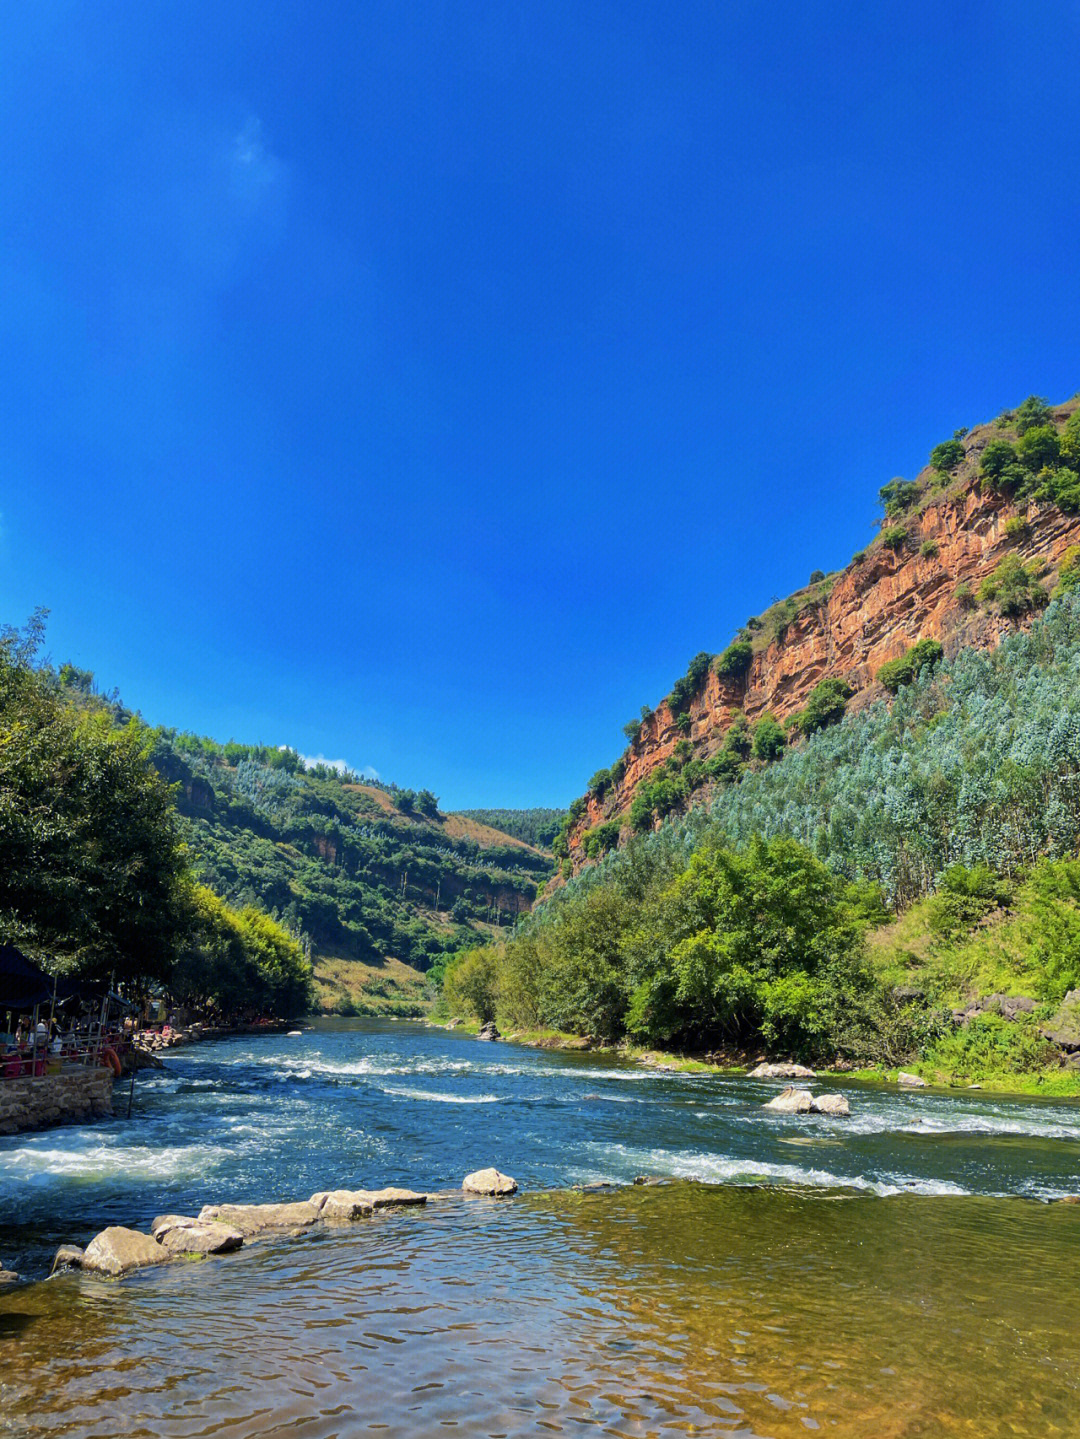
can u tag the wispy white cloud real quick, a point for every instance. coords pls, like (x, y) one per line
(341, 765)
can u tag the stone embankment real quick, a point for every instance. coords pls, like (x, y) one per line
(78, 1093)
(224, 1228)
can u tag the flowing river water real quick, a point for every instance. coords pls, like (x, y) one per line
(891, 1275)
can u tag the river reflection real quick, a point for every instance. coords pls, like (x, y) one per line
(889, 1277)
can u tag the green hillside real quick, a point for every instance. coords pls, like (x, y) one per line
(912, 863)
(376, 881)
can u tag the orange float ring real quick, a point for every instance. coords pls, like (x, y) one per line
(110, 1058)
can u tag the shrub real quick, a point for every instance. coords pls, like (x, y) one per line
(1069, 440)
(600, 783)
(1063, 487)
(769, 739)
(964, 597)
(858, 557)
(817, 576)
(684, 689)
(959, 434)
(929, 549)
(604, 837)
(998, 457)
(946, 456)
(905, 667)
(1069, 572)
(1034, 412)
(682, 722)
(1038, 446)
(1016, 528)
(735, 660)
(1014, 588)
(897, 496)
(893, 538)
(632, 730)
(825, 706)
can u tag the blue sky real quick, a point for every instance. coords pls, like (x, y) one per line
(424, 384)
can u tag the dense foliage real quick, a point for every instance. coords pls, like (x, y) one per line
(94, 877)
(533, 826)
(724, 946)
(903, 669)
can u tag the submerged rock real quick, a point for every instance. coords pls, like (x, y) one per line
(913, 1081)
(254, 1218)
(117, 1251)
(488, 1181)
(835, 1104)
(792, 1101)
(784, 1070)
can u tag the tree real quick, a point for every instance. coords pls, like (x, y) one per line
(427, 803)
(947, 455)
(1038, 446)
(735, 661)
(769, 739)
(1033, 412)
(898, 495)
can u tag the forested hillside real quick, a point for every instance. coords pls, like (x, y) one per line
(901, 883)
(534, 826)
(376, 881)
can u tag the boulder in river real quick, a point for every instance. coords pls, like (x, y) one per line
(8, 1276)
(783, 1070)
(391, 1198)
(488, 1031)
(68, 1256)
(488, 1181)
(792, 1101)
(182, 1234)
(254, 1218)
(343, 1204)
(912, 1081)
(835, 1104)
(117, 1251)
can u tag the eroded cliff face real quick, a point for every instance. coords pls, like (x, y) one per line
(877, 608)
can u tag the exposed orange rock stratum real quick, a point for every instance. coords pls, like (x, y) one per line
(875, 610)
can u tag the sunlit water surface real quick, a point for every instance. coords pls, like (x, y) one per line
(887, 1275)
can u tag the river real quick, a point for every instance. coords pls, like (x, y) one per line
(891, 1274)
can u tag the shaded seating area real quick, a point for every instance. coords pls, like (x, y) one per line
(48, 1024)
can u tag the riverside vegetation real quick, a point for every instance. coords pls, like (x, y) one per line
(232, 874)
(897, 885)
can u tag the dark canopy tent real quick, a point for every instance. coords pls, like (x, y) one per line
(22, 984)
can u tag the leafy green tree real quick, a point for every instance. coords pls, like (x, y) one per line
(825, 705)
(427, 803)
(894, 537)
(1034, 412)
(947, 455)
(735, 661)
(1014, 587)
(898, 496)
(1038, 446)
(769, 739)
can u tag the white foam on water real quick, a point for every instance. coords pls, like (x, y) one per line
(722, 1169)
(402, 1092)
(109, 1161)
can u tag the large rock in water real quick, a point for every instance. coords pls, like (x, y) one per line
(792, 1101)
(488, 1181)
(342, 1204)
(830, 1104)
(68, 1256)
(785, 1070)
(181, 1234)
(118, 1251)
(488, 1031)
(912, 1081)
(254, 1218)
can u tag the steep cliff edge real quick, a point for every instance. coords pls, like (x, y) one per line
(945, 536)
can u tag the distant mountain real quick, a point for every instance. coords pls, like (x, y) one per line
(376, 880)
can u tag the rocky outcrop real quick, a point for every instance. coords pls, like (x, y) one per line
(910, 1081)
(117, 1251)
(488, 1031)
(1064, 1028)
(489, 1181)
(882, 603)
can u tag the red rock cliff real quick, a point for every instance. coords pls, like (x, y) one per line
(884, 602)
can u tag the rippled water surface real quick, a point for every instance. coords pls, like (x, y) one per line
(888, 1275)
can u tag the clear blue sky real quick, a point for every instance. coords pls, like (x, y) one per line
(424, 384)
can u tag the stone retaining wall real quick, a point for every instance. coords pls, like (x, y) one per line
(38, 1102)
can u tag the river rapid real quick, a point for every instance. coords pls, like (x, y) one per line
(891, 1274)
